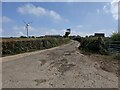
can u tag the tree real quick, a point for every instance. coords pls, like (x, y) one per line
(23, 37)
(33, 37)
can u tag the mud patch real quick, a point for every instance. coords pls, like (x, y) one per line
(106, 63)
(67, 53)
(53, 55)
(61, 65)
(42, 62)
(65, 67)
(39, 81)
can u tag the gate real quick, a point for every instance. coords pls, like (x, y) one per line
(114, 46)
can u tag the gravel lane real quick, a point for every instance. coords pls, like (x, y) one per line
(61, 67)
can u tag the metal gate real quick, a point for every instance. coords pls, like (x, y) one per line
(114, 46)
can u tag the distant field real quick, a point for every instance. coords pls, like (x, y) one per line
(18, 39)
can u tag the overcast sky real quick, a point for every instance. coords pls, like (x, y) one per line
(53, 18)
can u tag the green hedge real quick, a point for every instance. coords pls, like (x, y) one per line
(16, 47)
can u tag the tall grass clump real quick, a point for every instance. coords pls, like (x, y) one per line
(115, 37)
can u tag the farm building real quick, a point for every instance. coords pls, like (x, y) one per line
(99, 35)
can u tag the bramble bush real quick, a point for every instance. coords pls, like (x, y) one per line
(93, 44)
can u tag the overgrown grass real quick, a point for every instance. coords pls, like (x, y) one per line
(99, 45)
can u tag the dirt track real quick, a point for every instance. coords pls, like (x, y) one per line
(61, 67)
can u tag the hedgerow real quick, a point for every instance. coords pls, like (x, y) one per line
(19, 46)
